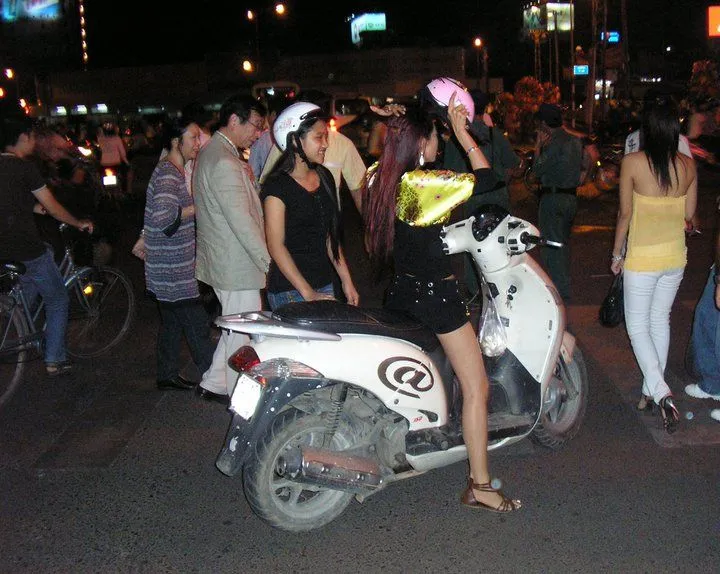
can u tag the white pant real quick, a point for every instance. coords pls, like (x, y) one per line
(649, 297)
(219, 378)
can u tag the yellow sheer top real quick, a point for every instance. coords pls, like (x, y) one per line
(656, 239)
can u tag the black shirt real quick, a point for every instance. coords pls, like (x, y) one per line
(418, 250)
(19, 238)
(308, 217)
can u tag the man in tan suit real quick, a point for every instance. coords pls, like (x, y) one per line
(232, 256)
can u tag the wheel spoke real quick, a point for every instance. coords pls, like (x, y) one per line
(107, 289)
(294, 491)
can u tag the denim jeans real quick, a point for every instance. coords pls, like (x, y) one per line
(556, 214)
(706, 339)
(649, 296)
(276, 300)
(188, 318)
(43, 278)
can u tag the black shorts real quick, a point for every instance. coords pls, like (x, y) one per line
(436, 303)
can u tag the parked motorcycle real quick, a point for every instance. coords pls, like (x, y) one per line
(334, 402)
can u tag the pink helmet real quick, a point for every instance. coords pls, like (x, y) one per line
(441, 89)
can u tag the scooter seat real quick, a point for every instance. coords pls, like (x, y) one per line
(334, 317)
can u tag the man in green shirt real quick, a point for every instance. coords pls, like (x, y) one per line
(559, 164)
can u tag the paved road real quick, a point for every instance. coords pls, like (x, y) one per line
(101, 472)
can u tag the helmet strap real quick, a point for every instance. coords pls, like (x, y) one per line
(301, 152)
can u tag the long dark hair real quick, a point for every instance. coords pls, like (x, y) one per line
(286, 164)
(379, 194)
(661, 134)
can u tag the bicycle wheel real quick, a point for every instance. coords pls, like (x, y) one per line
(102, 306)
(532, 183)
(12, 356)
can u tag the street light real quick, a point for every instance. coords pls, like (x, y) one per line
(253, 16)
(480, 47)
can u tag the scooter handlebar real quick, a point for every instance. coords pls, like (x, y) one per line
(529, 239)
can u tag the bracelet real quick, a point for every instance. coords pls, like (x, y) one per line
(470, 149)
(616, 258)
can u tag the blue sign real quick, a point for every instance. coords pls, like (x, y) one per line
(581, 70)
(612, 37)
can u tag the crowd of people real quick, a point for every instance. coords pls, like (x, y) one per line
(271, 227)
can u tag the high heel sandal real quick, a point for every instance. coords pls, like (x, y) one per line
(669, 413)
(506, 504)
(645, 404)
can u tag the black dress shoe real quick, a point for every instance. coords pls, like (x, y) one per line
(203, 393)
(176, 383)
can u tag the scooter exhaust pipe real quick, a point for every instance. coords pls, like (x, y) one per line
(330, 469)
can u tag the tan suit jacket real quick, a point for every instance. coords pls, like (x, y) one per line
(231, 251)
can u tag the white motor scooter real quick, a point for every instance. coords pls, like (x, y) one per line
(334, 401)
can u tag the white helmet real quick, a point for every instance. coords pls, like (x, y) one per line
(441, 90)
(290, 119)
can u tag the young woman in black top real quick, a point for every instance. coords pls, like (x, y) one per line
(424, 286)
(302, 220)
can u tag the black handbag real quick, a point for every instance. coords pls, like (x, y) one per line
(612, 310)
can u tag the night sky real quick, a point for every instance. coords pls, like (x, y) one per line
(139, 32)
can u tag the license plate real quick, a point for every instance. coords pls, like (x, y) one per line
(245, 397)
(109, 180)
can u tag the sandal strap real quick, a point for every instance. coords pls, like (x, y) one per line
(484, 487)
(506, 504)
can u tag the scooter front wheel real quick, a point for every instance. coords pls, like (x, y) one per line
(564, 404)
(280, 501)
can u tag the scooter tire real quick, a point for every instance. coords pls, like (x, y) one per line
(554, 432)
(283, 503)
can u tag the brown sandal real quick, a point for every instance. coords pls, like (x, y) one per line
(468, 498)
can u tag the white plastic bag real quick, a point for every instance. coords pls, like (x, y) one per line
(492, 336)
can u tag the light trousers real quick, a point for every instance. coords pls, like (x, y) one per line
(219, 378)
(649, 296)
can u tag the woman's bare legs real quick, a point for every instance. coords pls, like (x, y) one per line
(462, 348)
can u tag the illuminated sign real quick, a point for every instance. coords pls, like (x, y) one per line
(612, 37)
(532, 19)
(581, 70)
(13, 10)
(714, 21)
(545, 18)
(560, 15)
(366, 23)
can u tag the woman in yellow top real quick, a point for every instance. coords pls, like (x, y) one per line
(658, 195)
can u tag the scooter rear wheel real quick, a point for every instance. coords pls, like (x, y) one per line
(284, 503)
(563, 411)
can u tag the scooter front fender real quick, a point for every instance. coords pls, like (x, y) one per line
(243, 434)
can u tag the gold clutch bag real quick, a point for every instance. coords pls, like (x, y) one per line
(428, 197)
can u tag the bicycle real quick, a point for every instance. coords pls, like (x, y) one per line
(102, 306)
